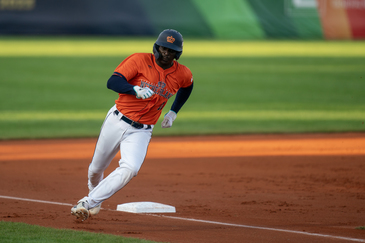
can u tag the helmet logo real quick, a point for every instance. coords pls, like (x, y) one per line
(170, 39)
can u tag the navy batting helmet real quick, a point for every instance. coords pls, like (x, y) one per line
(171, 39)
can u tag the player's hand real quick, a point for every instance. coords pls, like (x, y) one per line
(168, 119)
(143, 93)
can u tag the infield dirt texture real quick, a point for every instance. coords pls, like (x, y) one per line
(252, 188)
(240, 188)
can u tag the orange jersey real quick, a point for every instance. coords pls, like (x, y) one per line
(141, 69)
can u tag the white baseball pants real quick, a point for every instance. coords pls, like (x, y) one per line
(116, 135)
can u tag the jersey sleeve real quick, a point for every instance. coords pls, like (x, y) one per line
(129, 67)
(188, 78)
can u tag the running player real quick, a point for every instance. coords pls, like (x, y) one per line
(144, 82)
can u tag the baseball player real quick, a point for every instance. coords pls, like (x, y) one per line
(145, 82)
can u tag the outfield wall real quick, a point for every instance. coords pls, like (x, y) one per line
(217, 19)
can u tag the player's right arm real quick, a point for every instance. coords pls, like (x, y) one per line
(119, 84)
(127, 70)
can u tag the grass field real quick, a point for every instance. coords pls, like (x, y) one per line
(57, 87)
(9, 232)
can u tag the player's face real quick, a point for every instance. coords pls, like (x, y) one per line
(166, 58)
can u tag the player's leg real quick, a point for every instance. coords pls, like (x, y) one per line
(133, 149)
(106, 148)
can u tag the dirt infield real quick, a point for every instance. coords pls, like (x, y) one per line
(249, 188)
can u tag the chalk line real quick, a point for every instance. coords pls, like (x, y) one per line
(206, 221)
(34, 200)
(262, 228)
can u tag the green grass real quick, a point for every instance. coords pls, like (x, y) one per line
(21, 232)
(78, 46)
(57, 87)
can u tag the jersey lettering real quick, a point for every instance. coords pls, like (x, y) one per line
(158, 89)
(141, 69)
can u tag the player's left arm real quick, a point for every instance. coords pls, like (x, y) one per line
(181, 97)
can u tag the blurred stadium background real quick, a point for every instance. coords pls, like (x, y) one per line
(230, 19)
(261, 66)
